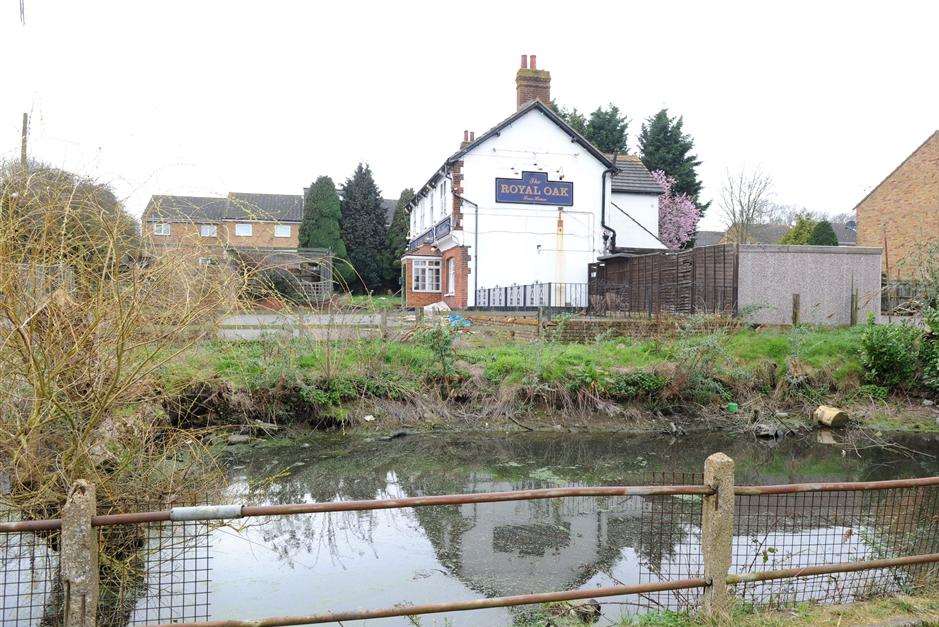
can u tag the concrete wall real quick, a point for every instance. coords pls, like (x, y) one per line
(822, 276)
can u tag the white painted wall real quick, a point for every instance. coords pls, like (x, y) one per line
(643, 208)
(521, 243)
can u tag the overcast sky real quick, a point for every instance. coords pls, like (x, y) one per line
(203, 98)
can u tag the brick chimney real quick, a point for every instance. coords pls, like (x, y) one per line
(532, 83)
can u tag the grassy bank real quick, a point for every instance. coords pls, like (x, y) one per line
(785, 370)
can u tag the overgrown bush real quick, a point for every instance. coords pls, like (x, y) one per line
(890, 354)
(929, 350)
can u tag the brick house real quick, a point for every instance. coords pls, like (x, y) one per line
(901, 214)
(530, 202)
(212, 224)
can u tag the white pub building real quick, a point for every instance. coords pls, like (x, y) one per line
(525, 207)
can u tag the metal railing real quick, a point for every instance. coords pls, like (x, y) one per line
(906, 508)
(555, 296)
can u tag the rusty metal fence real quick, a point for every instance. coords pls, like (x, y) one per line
(701, 542)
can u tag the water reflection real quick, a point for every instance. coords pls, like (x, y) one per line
(443, 553)
(310, 563)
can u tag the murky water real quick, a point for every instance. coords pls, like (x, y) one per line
(329, 562)
(312, 563)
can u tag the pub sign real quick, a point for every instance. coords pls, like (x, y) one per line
(534, 188)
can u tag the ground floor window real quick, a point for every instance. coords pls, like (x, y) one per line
(281, 230)
(161, 228)
(244, 230)
(425, 275)
(451, 277)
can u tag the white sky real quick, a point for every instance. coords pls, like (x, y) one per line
(203, 98)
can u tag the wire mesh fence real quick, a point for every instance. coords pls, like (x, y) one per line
(151, 573)
(159, 572)
(30, 592)
(779, 531)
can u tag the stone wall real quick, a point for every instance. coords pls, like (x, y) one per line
(526, 327)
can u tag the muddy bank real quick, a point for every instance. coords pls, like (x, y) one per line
(351, 408)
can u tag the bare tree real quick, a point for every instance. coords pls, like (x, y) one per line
(745, 201)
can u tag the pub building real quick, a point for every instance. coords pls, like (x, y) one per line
(530, 201)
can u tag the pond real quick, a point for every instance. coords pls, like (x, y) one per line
(317, 563)
(312, 563)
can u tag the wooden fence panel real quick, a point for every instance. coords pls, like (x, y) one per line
(700, 280)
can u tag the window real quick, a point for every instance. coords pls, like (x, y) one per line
(425, 275)
(451, 277)
(205, 262)
(281, 230)
(243, 229)
(161, 228)
(208, 230)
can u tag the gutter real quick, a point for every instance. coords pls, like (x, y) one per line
(475, 246)
(606, 227)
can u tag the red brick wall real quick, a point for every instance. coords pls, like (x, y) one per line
(461, 259)
(421, 299)
(904, 211)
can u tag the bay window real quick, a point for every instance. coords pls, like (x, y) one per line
(425, 275)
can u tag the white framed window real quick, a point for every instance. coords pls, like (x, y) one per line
(451, 277)
(243, 229)
(425, 275)
(208, 230)
(206, 261)
(281, 230)
(161, 228)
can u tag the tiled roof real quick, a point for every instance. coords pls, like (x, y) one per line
(708, 238)
(237, 206)
(185, 208)
(282, 207)
(633, 177)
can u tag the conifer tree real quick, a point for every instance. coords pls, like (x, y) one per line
(398, 239)
(823, 235)
(665, 146)
(321, 215)
(320, 225)
(801, 231)
(363, 228)
(606, 129)
(572, 116)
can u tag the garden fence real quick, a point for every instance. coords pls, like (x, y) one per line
(705, 542)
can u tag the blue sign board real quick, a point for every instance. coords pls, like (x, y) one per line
(534, 188)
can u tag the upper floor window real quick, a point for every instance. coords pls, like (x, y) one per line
(281, 230)
(425, 275)
(208, 230)
(161, 228)
(243, 229)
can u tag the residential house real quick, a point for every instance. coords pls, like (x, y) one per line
(213, 224)
(529, 202)
(901, 214)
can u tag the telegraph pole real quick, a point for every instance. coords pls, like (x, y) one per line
(23, 140)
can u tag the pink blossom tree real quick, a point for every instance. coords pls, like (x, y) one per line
(678, 215)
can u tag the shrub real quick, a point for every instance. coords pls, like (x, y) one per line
(873, 392)
(889, 354)
(635, 385)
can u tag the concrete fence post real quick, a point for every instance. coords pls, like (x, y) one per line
(717, 526)
(79, 557)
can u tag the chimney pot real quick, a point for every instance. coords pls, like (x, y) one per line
(524, 61)
(466, 136)
(533, 63)
(472, 136)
